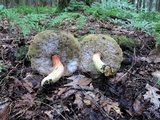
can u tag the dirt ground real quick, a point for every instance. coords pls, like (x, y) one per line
(131, 94)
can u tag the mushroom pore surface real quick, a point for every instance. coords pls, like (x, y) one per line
(111, 53)
(49, 43)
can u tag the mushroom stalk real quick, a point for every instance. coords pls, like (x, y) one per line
(101, 66)
(57, 72)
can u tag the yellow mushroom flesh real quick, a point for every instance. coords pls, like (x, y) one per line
(57, 72)
(101, 66)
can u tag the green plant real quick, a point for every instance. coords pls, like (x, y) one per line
(2, 67)
(81, 21)
(11, 14)
(21, 52)
(31, 21)
(58, 19)
(125, 42)
(1, 7)
(158, 81)
(143, 25)
(75, 6)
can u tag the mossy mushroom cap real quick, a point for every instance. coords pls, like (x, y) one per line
(112, 54)
(49, 43)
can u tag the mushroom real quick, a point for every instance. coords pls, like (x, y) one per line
(64, 50)
(57, 72)
(100, 53)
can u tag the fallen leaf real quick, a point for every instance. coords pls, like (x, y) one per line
(152, 95)
(4, 111)
(61, 90)
(84, 81)
(154, 55)
(49, 114)
(108, 104)
(68, 93)
(32, 81)
(75, 80)
(28, 85)
(78, 80)
(138, 108)
(78, 100)
(28, 99)
(156, 74)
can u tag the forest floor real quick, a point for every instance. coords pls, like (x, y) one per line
(131, 94)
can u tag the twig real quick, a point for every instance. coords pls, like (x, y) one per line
(53, 109)
(133, 63)
(7, 76)
(97, 105)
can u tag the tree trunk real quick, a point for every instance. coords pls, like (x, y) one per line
(63, 3)
(6, 3)
(132, 1)
(150, 5)
(144, 4)
(158, 5)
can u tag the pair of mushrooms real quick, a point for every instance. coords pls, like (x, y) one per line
(68, 54)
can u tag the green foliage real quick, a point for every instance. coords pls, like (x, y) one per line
(26, 9)
(21, 52)
(29, 18)
(158, 81)
(39, 9)
(149, 16)
(143, 25)
(11, 14)
(58, 19)
(2, 67)
(81, 21)
(157, 37)
(31, 21)
(124, 41)
(1, 7)
(75, 6)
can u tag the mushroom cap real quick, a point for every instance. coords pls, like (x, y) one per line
(111, 52)
(49, 43)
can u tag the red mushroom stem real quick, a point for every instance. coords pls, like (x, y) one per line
(57, 72)
(101, 66)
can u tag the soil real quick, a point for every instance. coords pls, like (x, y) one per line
(119, 97)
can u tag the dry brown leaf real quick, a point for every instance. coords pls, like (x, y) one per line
(108, 104)
(28, 85)
(78, 80)
(61, 90)
(78, 100)
(68, 93)
(152, 95)
(49, 114)
(84, 81)
(156, 74)
(75, 80)
(4, 111)
(138, 108)
(29, 114)
(26, 100)
(154, 54)
(32, 81)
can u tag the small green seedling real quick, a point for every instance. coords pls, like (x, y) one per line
(2, 67)
(158, 81)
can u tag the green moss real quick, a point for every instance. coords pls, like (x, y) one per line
(20, 52)
(49, 43)
(111, 52)
(125, 42)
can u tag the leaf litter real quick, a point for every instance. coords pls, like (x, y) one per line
(132, 93)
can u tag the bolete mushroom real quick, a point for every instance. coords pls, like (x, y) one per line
(58, 48)
(100, 53)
